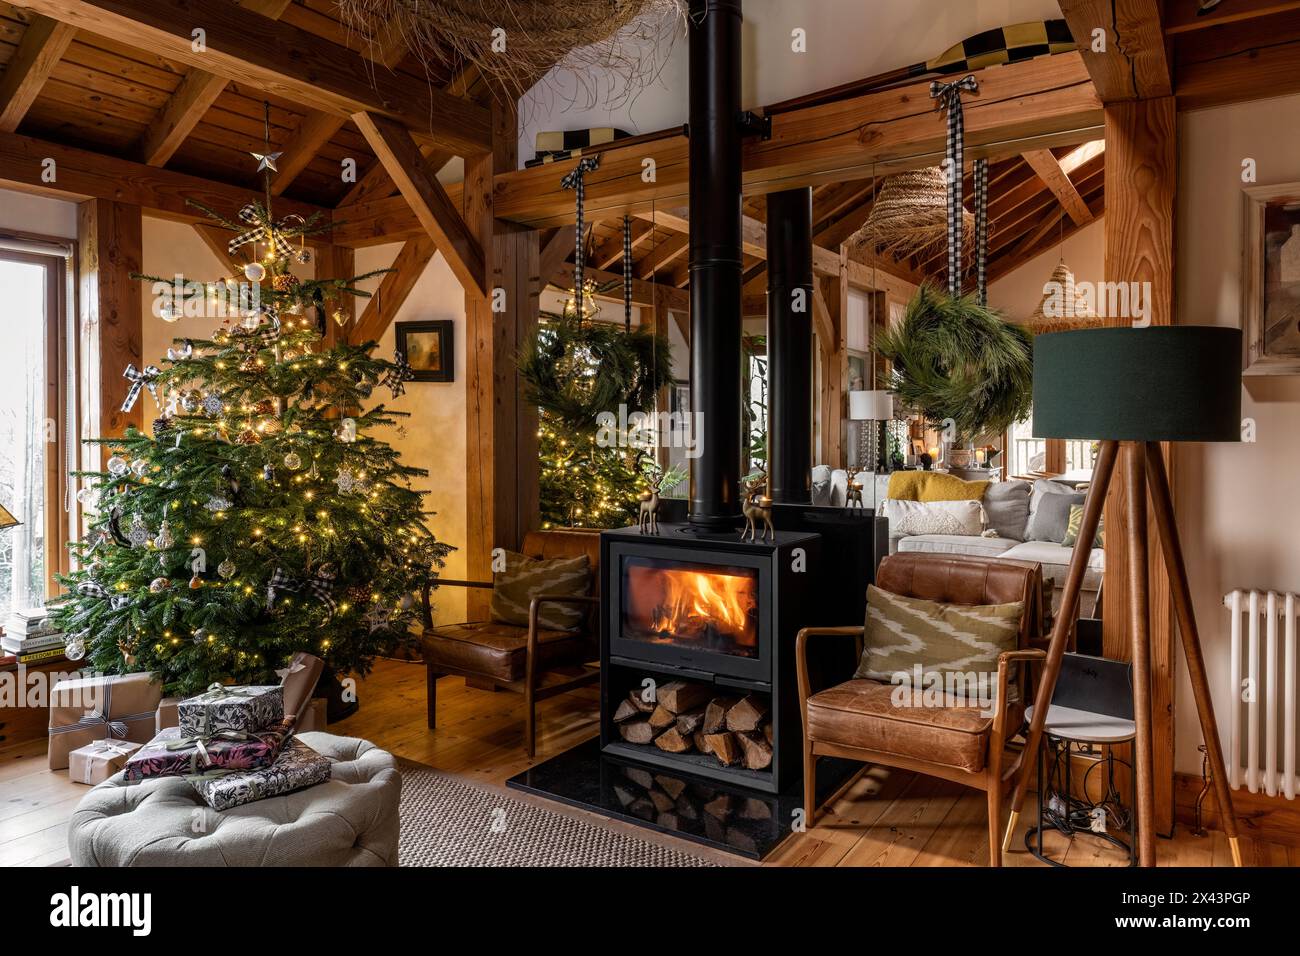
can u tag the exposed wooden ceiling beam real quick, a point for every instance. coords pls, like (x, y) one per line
(375, 183)
(1001, 266)
(1049, 170)
(42, 46)
(382, 307)
(86, 175)
(643, 293)
(280, 58)
(610, 252)
(1051, 99)
(663, 254)
(1186, 17)
(217, 240)
(1134, 64)
(315, 130)
(197, 91)
(418, 183)
(555, 250)
(1246, 60)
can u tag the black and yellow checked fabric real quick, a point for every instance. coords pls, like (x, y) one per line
(554, 146)
(1010, 44)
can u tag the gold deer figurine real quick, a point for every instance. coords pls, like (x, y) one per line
(756, 507)
(648, 512)
(854, 494)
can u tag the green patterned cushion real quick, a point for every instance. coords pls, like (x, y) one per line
(903, 632)
(525, 578)
(1072, 529)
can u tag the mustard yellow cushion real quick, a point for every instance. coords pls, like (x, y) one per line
(933, 486)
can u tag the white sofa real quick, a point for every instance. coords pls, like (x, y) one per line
(1053, 557)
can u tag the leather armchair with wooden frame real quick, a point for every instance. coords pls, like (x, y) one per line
(531, 661)
(857, 720)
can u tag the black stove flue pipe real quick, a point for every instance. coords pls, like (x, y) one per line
(715, 261)
(789, 345)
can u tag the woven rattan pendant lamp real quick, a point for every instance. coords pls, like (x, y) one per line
(910, 215)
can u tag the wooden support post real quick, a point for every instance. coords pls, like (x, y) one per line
(1141, 179)
(501, 431)
(112, 314)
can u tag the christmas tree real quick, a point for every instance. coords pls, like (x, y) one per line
(261, 517)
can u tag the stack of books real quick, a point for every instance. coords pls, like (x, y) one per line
(31, 637)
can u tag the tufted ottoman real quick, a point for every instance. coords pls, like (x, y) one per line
(350, 820)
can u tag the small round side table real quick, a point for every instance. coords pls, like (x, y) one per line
(1068, 731)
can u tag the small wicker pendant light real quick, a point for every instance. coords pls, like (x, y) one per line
(911, 215)
(1060, 309)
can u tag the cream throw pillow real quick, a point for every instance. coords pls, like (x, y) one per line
(934, 517)
(525, 578)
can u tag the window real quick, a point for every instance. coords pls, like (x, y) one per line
(1072, 457)
(35, 419)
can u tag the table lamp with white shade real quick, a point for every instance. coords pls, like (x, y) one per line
(870, 405)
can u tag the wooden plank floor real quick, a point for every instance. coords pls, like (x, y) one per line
(886, 818)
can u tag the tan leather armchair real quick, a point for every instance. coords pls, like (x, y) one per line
(531, 661)
(858, 719)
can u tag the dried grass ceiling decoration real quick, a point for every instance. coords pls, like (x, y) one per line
(614, 47)
(1061, 310)
(910, 215)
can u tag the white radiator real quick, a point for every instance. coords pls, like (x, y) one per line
(1263, 682)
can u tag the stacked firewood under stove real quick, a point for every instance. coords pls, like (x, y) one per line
(693, 807)
(687, 717)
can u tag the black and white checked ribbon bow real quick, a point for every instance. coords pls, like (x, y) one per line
(92, 589)
(263, 230)
(627, 273)
(397, 376)
(947, 96)
(319, 586)
(575, 179)
(140, 378)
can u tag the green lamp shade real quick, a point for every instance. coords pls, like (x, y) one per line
(1162, 383)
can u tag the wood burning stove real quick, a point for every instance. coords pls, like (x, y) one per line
(715, 619)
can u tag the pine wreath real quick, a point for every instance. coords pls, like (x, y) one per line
(956, 359)
(576, 370)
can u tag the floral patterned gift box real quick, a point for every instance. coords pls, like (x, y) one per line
(243, 709)
(296, 767)
(173, 753)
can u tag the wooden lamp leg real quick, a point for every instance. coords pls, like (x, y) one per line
(1140, 634)
(1092, 510)
(1163, 511)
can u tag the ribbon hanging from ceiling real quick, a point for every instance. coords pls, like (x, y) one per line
(627, 273)
(574, 179)
(947, 97)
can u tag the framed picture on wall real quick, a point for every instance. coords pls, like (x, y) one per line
(429, 349)
(1270, 280)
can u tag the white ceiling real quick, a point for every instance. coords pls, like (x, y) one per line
(846, 40)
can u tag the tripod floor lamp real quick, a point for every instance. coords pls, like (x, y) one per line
(1132, 389)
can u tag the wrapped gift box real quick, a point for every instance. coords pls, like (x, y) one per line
(86, 709)
(173, 753)
(166, 715)
(240, 709)
(312, 716)
(296, 767)
(99, 760)
(298, 681)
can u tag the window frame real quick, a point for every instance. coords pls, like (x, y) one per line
(61, 380)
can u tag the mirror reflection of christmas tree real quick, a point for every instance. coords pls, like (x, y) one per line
(576, 371)
(262, 516)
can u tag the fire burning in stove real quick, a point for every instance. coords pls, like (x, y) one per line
(714, 608)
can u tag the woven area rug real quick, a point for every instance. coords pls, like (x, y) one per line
(447, 821)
